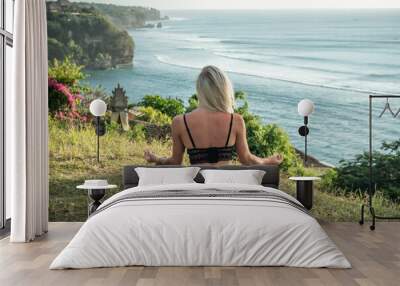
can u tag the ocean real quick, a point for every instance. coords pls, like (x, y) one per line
(335, 58)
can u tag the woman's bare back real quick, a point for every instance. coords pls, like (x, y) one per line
(208, 129)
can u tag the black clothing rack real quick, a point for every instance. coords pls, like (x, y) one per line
(371, 191)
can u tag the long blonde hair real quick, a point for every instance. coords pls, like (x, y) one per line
(215, 90)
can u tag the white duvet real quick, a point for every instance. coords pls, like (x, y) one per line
(200, 231)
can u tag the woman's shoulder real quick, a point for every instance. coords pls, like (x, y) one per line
(188, 115)
(177, 119)
(238, 123)
(238, 118)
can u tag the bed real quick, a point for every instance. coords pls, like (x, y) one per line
(199, 224)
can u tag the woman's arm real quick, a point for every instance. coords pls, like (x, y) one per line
(242, 148)
(177, 148)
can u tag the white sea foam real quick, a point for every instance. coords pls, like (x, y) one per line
(240, 56)
(280, 76)
(167, 60)
(194, 48)
(198, 39)
(178, 19)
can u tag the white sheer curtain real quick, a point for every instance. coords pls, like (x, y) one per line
(26, 117)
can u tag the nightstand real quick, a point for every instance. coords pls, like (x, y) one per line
(304, 190)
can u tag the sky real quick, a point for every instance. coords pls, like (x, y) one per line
(255, 4)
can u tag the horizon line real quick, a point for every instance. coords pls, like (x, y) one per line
(264, 9)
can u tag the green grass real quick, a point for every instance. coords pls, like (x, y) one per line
(339, 207)
(73, 160)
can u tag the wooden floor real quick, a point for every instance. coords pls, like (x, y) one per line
(375, 257)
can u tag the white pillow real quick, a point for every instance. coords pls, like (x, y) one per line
(248, 177)
(166, 176)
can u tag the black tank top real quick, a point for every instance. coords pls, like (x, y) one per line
(212, 154)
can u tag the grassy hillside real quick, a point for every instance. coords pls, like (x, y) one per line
(72, 160)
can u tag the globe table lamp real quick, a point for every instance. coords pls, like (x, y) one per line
(98, 108)
(305, 108)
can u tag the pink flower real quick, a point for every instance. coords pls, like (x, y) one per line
(72, 99)
(60, 115)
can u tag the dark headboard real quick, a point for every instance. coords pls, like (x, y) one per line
(130, 178)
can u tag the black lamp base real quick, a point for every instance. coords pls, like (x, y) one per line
(100, 126)
(304, 131)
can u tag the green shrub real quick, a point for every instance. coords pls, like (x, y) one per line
(328, 179)
(137, 133)
(193, 103)
(66, 72)
(353, 175)
(169, 106)
(65, 97)
(154, 116)
(67, 93)
(112, 126)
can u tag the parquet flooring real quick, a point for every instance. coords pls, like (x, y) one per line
(375, 257)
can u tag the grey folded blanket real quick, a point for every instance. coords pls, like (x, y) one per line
(205, 194)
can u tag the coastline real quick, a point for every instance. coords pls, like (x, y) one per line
(313, 161)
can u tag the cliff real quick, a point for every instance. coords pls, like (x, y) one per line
(94, 35)
(128, 16)
(122, 16)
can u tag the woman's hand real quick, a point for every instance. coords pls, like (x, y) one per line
(150, 157)
(275, 159)
(177, 147)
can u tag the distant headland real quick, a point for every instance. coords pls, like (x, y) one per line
(95, 35)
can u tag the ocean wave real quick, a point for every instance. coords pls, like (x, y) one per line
(255, 56)
(178, 19)
(262, 58)
(308, 58)
(228, 53)
(352, 41)
(252, 58)
(200, 39)
(235, 42)
(192, 48)
(393, 76)
(167, 60)
(239, 56)
(340, 61)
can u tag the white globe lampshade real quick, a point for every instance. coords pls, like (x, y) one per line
(98, 107)
(305, 107)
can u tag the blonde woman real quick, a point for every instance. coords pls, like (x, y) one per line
(211, 132)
